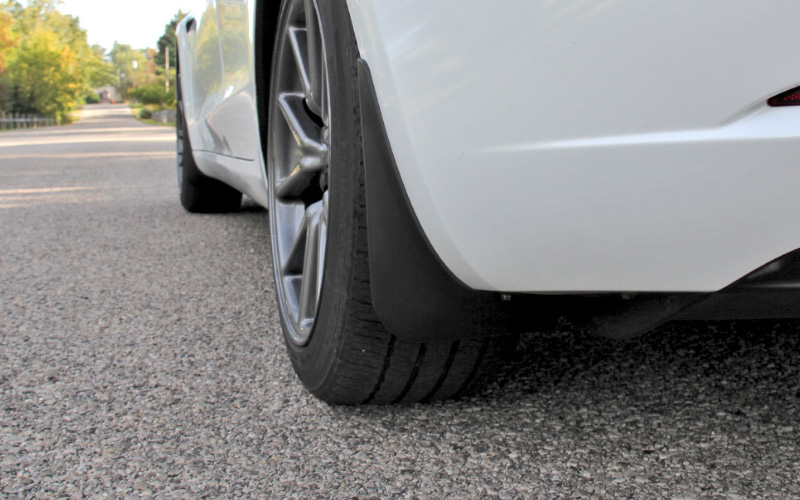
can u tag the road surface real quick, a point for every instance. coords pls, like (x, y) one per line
(141, 356)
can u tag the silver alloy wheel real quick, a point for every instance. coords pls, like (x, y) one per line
(298, 166)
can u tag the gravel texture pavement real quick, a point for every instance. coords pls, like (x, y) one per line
(141, 356)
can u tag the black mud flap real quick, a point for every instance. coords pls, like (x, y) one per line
(414, 294)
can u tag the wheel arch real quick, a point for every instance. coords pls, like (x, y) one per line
(265, 21)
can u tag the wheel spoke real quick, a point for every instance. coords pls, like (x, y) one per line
(323, 241)
(307, 134)
(314, 46)
(299, 179)
(309, 290)
(312, 151)
(293, 261)
(299, 41)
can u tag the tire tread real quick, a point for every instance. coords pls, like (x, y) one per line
(365, 363)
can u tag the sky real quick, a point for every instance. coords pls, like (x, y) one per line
(139, 24)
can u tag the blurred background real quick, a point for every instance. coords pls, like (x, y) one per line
(57, 56)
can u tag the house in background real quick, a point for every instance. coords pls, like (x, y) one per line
(108, 94)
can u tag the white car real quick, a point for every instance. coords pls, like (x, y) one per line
(441, 174)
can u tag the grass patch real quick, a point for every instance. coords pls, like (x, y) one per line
(144, 113)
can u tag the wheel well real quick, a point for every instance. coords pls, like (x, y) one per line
(264, 40)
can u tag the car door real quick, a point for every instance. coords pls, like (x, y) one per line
(236, 117)
(207, 78)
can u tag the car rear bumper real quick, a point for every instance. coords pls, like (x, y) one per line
(549, 148)
(418, 298)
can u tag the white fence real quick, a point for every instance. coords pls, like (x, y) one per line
(20, 120)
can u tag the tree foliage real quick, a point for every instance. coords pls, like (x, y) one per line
(153, 94)
(7, 41)
(130, 66)
(169, 39)
(50, 66)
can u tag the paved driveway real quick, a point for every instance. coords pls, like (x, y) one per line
(140, 356)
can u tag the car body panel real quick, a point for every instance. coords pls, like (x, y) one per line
(554, 147)
(216, 56)
(237, 109)
(200, 57)
(584, 146)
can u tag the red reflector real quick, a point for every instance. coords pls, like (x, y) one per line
(788, 98)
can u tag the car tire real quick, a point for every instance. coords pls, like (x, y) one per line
(337, 344)
(198, 192)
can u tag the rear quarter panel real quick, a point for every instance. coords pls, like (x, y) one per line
(590, 146)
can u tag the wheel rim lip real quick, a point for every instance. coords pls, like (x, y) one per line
(281, 224)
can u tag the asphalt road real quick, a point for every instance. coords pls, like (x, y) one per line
(140, 356)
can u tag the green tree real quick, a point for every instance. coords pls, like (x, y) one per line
(130, 68)
(168, 39)
(47, 76)
(100, 72)
(51, 67)
(153, 94)
(7, 41)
